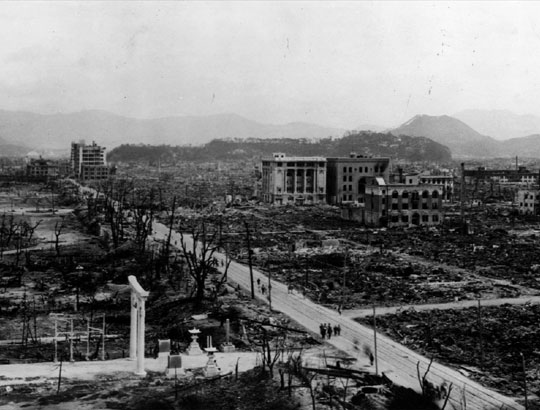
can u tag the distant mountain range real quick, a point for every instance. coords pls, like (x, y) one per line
(58, 130)
(464, 141)
(21, 132)
(455, 134)
(500, 124)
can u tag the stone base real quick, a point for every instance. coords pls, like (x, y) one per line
(142, 374)
(170, 372)
(227, 348)
(211, 371)
(194, 350)
(164, 354)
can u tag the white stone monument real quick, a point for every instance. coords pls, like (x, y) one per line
(227, 347)
(136, 339)
(211, 369)
(194, 349)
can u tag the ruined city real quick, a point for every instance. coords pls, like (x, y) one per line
(159, 251)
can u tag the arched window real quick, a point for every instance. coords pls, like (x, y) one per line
(405, 200)
(425, 194)
(435, 194)
(395, 194)
(415, 197)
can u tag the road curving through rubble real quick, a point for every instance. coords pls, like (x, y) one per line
(396, 361)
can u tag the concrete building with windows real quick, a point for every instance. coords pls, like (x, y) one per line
(88, 162)
(518, 176)
(293, 180)
(347, 176)
(42, 168)
(399, 204)
(395, 204)
(528, 201)
(444, 182)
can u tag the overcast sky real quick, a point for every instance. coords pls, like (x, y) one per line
(331, 63)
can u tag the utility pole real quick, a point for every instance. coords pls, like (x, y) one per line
(524, 380)
(375, 341)
(480, 331)
(269, 289)
(461, 195)
(249, 260)
(344, 281)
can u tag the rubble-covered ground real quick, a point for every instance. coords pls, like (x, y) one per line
(316, 251)
(484, 344)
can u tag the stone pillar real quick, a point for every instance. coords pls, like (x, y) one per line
(140, 339)
(136, 342)
(133, 329)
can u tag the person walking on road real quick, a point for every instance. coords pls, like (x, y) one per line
(329, 330)
(322, 328)
(259, 284)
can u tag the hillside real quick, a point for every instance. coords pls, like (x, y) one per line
(500, 124)
(11, 150)
(58, 130)
(462, 140)
(365, 143)
(524, 147)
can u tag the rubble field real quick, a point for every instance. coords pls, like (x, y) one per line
(485, 345)
(337, 262)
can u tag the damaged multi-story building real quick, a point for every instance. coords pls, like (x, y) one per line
(88, 162)
(518, 176)
(347, 176)
(294, 180)
(398, 203)
(46, 169)
(362, 186)
(528, 201)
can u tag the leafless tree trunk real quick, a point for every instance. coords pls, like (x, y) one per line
(58, 226)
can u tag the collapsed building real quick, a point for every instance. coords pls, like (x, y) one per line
(528, 201)
(42, 168)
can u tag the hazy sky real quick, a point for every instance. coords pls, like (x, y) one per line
(332, 63)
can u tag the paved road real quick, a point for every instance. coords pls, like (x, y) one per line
(462, 304)
(395, 360)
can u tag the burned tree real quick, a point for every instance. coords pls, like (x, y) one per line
(58, 226)
(143, 214)
(200, 253)
(272, 344)
(116, 193)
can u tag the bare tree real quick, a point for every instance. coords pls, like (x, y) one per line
(143, 215)
(200, 255)
(116, 193)
(272, 345)
(58, 226)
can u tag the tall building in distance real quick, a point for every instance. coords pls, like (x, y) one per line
(347, 176)
(294, 180)
(88, 162)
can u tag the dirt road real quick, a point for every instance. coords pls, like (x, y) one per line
(462, 304)
(395, 360)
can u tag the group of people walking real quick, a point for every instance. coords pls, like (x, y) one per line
(327, 330)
